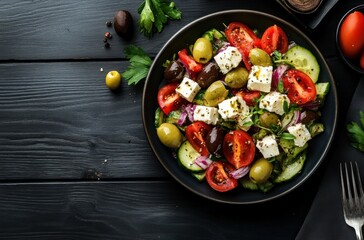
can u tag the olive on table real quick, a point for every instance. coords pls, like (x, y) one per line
(214, 140)
(237, 78)
(259, 57)
(215, 94)
(208, 75)
(269, 119)
(202, 50)
(260, 170)
(169, 135)
(123, 22)
(174, 72)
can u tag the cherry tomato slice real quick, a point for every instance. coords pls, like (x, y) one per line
(218, 176)
(189, 62)
(196, 134)
(274, 38)
(300, 88)
(239, 148)
(250, 97)
(168, 99)
(243, 38)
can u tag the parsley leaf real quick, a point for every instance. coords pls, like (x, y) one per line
(154, 14)
(356, 133)
(139, 66)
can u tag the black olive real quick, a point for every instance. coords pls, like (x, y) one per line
(310, 117)
(123, 22)
(214, 140)
(208, 75)
(174, 72)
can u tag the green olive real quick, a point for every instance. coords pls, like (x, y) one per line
(237, 78)
(259, 57)
(268, 119)
(169, 135)
(260, 171)
(215, 94)
(202, 50)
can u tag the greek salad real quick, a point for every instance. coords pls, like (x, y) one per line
(238, 107)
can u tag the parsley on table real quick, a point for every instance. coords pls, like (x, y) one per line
(139, 66)
(154, 15)
(356, 133)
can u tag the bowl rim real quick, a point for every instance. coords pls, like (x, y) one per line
(348, 62)
(331, 135)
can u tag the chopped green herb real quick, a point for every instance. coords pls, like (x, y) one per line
(356, 133)
(154, 15)
(139, 66)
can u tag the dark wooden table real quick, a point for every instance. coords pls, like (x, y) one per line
(74, 159)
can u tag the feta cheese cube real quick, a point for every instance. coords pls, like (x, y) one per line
(301, 134)
(274, 102)
(228, 59)
(205, 114)
(233, 107)
(268, 146)
(260, 78)
(188, 89)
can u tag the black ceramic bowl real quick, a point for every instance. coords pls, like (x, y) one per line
(353, 63)
(318, 147)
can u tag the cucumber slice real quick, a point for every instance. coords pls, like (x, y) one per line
(302, 59)
(159, 117)
(292, 169)
(200, 176)
(186, 156)
(322, 89)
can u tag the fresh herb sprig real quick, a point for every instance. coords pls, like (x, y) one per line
(356, 133)
(154, 14)
(139, 66)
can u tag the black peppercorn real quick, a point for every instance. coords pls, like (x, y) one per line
(108, 23)
(107, 45)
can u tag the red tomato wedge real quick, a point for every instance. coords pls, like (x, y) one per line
(243, 38)
(239, 148)
(274, 38)
(189, 62)
(218, 176)
(300, 88)
(168, 99)
(196, 134)
(250, 97)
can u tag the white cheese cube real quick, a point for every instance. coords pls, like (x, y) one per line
(301, 134)
(274, 102)
(260, 78)
(188, 89)
(228, 59)
(231, 108)
(268, 146)
(205, 114)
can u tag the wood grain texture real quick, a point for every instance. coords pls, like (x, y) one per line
(59, 121)
(75, 29)
(137, 210)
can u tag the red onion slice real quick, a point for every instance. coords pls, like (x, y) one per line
(182, 118)
(203, 162)
(239, 173)
(277, 74)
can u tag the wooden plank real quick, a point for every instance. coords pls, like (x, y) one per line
(74, 30)
(139, 210)
(59, 121)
